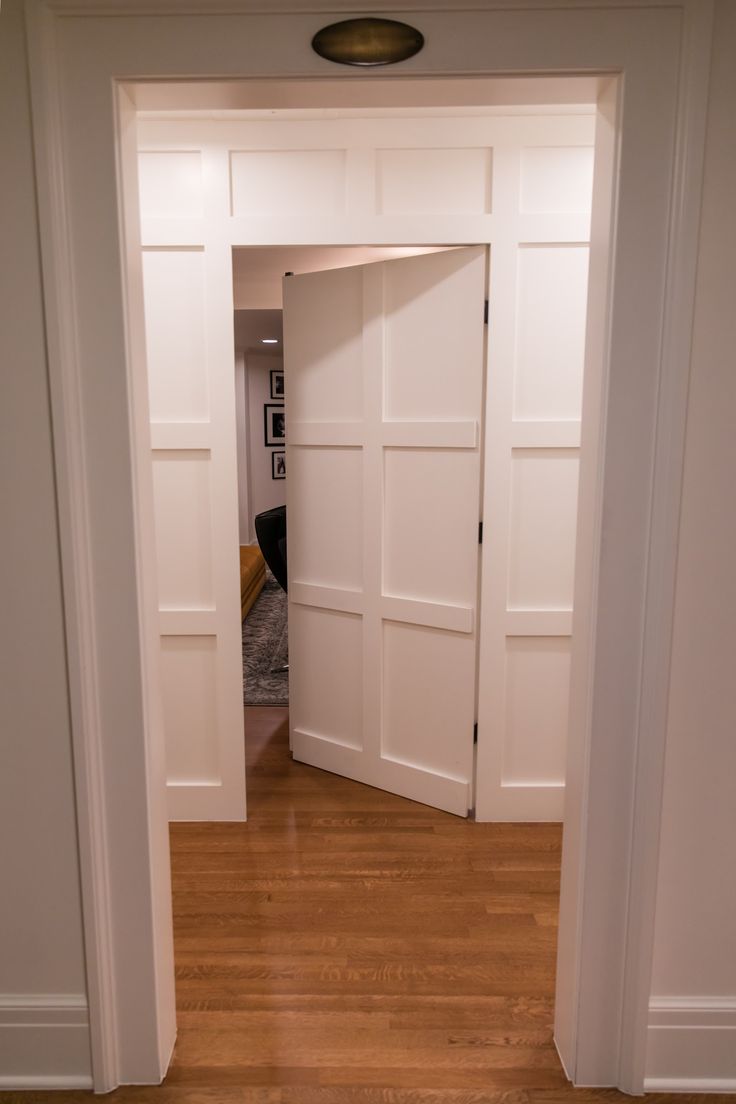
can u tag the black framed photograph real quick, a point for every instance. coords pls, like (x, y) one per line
(278, 465)
(274, 420)
(277, 384)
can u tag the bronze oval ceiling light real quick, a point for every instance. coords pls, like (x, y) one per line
(367, 42)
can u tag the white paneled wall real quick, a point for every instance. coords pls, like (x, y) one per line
(191, 383)
(537, 312)
(518, 182)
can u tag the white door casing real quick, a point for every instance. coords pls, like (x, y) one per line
(384, 378)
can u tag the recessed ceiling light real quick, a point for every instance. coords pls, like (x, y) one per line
(269, 341)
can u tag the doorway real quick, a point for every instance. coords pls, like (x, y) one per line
(519, 178)
(595, 41)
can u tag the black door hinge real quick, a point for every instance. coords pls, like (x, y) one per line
(485, 313)
(480, 532)
(475, 733)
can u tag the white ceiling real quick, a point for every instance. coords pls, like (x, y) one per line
(318, 98)
(251, 326)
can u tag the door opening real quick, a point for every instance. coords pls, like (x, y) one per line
(536, 344)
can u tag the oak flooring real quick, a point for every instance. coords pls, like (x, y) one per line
(346, 946)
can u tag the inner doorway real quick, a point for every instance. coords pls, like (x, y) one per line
(480, 184)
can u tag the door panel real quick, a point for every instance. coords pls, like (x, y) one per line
(384, 374)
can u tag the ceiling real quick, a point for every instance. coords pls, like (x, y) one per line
(258, 271)
(264, 98)
(251, 326)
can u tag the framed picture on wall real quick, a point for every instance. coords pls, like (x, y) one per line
(277, 384)
(274, 420)
(278, 465)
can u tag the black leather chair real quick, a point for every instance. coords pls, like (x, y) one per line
(271, 536)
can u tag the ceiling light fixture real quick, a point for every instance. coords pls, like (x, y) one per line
(269, 341)
(367, 42)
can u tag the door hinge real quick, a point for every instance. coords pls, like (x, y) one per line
(475, 733)
(480, 532)
(485, 313)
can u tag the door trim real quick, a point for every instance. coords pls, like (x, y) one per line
(122, 1050)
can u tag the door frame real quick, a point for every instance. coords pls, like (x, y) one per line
(77, 56)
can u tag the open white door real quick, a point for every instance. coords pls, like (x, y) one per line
(384, 381)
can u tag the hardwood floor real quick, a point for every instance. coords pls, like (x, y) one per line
(349, 947)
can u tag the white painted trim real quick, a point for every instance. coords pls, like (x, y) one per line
(674, 375)
(71, 466)
(705, 1011)
(43, 1008)
(689, 1085)
(53, 1028)
(691, 1045)
(50, 1082)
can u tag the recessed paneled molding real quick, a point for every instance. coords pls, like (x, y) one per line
(418, 181)
(170, 183)
(550, 331)
(419, 664)
(183, 505)
(537, 692)
(325, 530)
(328, 681)
(188, 674)
(287, 182)
(542, 526)
(425, 516)
(174, 287)
(556, 178)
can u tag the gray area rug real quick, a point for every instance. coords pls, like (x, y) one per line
(266, 648)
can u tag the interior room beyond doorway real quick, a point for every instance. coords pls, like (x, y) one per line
(258, 275)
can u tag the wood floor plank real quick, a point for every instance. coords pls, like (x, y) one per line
(346, 946)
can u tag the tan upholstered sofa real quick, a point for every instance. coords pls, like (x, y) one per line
(252, 576)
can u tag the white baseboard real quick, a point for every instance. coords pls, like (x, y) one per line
(44, 1041)
(691, 1045)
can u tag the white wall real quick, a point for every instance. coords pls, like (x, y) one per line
(42, 978)
(265, 492)
(693, 1015)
